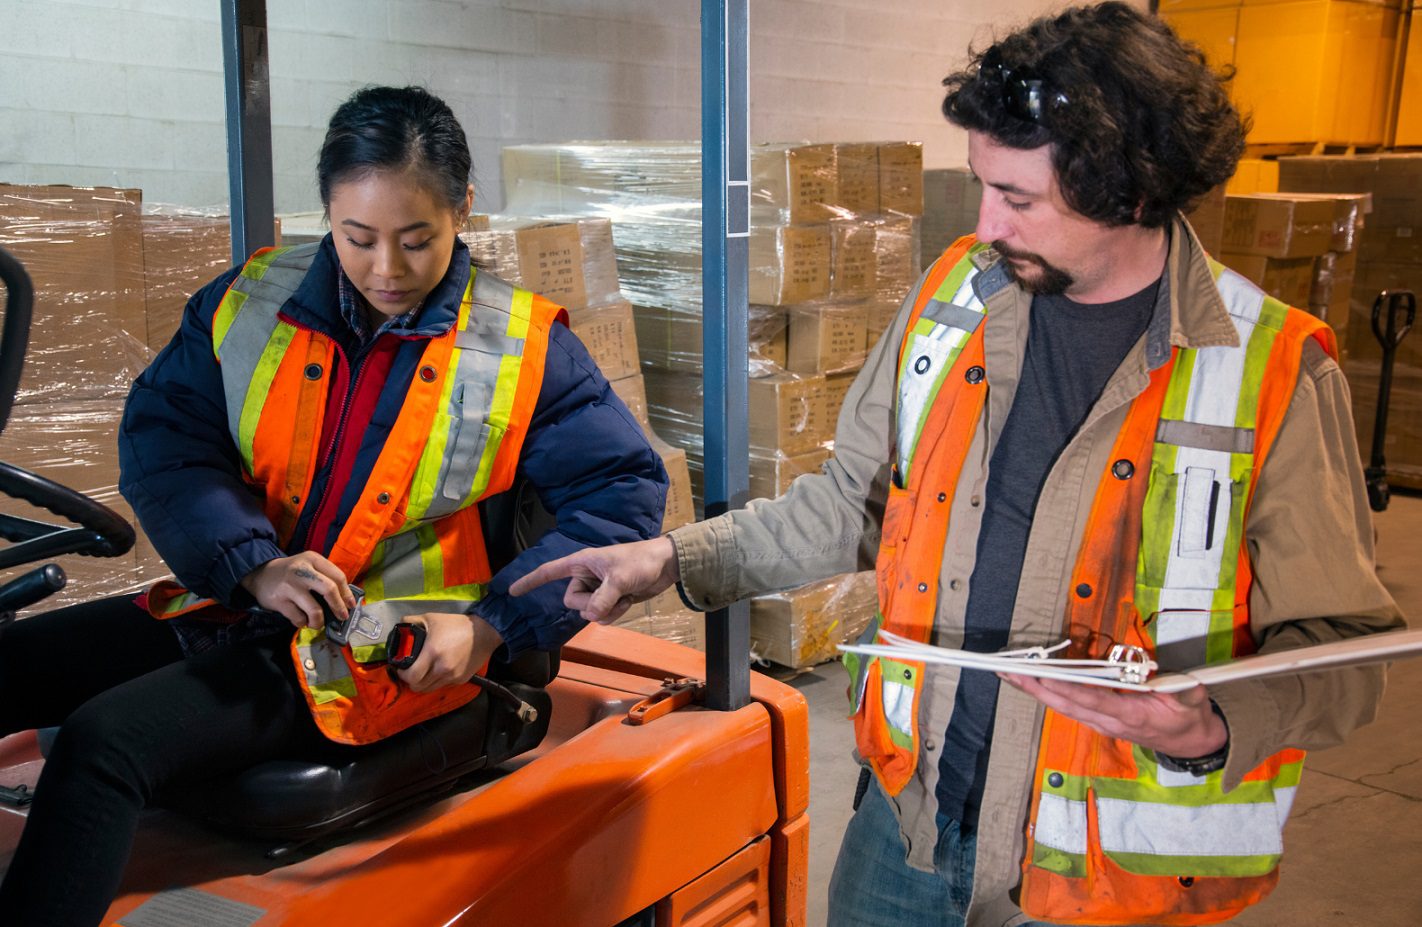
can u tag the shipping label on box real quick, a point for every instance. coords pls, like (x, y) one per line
(1276, 226)
(826, 337)
(788, 413)
(550, 261)
(610, 336)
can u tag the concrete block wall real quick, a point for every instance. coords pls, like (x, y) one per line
(130, 92)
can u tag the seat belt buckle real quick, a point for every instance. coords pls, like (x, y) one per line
(340, 630)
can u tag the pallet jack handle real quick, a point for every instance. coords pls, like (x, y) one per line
(1394, 313)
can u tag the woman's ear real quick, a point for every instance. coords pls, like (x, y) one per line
(468, 205)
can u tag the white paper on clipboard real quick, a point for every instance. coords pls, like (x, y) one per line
(1133, 671)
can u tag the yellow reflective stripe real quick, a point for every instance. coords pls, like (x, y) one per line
(371, 580)
(261, 384)
(325, 673)
(226, 314)
(520, 313)
(425, 483)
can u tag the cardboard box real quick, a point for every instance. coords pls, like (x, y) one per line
(789, 414)
(672, 339)
(1400, 243)
(805, 626)
(897, 255)
(75, 444)
(1316, 70)
(1289, 280)
(666, 616)
(632, 390)
(793, 183)
(1277, 226)
(83, 249)
(951, 198)
(571, 263)
(1372, 278)
(854, 266)
(181, 255)
(1331, 295)
(610, 336)
(1402, 442)
(836, 388)
(772, 474)
(901, 177)
(681, 508)
(826, 337)
(789, 264)
(857, 177)
(1207, 219)
(1211, 24)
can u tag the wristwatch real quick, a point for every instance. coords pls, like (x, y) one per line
(1199, 765)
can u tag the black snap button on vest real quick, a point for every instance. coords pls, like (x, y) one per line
(975, 501)
(923, 587)
(313, 371)
(1187, 881)
(383, 498)
(1123, 469)
(908, 674)
(921, 365)
(1084, 590)
(427, 373)
(942, 497)
(975, 374)
(955, 584)
(1055, 780)
(295, 500)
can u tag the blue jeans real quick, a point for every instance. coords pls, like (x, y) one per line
(873, 885)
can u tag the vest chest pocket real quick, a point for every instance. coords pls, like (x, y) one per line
(1191, 526)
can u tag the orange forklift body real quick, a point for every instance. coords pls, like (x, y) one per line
(698, 815)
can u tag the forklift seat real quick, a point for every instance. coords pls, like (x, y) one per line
(338, 787)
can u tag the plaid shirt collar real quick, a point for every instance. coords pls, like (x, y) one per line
(353, 310)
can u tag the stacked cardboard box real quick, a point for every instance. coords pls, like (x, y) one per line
(84, 251)
(1298, 247)
(574, 264)
(833, 250)
(1387, 257)
(805, 626)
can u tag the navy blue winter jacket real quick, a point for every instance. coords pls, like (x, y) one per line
(584, 454)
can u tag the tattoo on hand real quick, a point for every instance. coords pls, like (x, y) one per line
(303, 573)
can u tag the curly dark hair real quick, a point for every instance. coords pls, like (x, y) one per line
(1141, 127)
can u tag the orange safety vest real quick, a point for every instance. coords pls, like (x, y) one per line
(413, 541)
(1113, 838)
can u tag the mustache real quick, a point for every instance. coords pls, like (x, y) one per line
(1008, 251)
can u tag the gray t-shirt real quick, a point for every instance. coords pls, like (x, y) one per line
(1072, 350)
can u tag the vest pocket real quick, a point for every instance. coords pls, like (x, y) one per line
(898, 515)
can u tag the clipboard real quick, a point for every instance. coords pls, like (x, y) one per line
(1131, 669)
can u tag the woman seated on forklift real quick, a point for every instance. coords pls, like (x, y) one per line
(328, 414)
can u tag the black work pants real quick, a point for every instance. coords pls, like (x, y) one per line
(134, 716)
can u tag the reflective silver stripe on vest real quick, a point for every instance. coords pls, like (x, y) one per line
(246, 339)
(1061, 824)
(953, 324)
(323, 667)
(483, 344)
(1158, 829)
(1205, 488)
(401, 569)
(390, 612)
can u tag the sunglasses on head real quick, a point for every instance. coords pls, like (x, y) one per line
(1025, 94)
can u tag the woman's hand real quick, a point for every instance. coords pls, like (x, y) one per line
(289, 586)
(456, 647)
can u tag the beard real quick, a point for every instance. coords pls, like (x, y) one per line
(1038, 277)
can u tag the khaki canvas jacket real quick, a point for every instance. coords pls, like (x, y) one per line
(1309, 532)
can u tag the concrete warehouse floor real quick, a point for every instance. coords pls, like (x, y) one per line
(1352, 854)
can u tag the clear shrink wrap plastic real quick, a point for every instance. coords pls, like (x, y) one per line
(833, 251)
(112, 277)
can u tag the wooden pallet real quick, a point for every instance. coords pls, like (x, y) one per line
(1274, 150)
